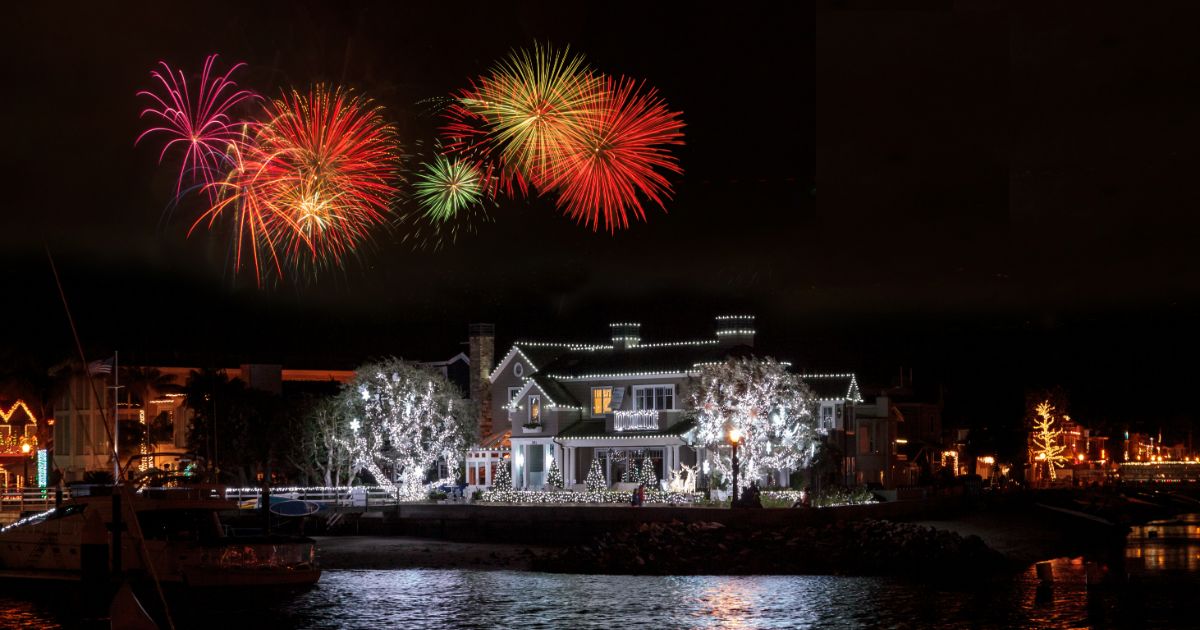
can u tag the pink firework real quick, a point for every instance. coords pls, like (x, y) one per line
(197, 120)
(620, 155)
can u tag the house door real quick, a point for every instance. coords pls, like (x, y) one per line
(535, 462)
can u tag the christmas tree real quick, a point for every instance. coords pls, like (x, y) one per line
(554, 478)
(647, 475)
(631, 474)
(595, 478)
(502, 480)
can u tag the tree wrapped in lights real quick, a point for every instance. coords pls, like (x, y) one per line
(631, 472)
(595, 478)
(503, 479)
(406, 418)
(1046, 447)
(773, 409)
(647, 475)
(554, 477)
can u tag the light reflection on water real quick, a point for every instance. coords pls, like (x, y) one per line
(1158, 572)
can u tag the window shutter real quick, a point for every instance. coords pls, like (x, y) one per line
(618, 395)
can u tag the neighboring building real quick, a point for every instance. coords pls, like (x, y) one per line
(874, 445)
(81, 439)
(620, 402)
(22, 448)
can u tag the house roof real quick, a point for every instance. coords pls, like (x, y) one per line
(554, 390)
(596, 361)
(541, 354)
(589, 428)
(843, 386)
(497, 441)
(12, 411)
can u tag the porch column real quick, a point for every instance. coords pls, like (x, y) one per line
(568, 466)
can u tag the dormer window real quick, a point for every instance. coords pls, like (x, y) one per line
(535, 409)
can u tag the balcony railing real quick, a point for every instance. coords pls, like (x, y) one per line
(637, 420)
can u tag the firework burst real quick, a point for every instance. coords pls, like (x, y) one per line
(309, 185)
(199, 120)
(618, 156)
(335, 170)
(525, 112)
(447, 186)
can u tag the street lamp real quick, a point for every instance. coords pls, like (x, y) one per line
(25, 448)
(735, 436)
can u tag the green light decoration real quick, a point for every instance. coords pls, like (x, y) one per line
(447, 186)
(43, 468)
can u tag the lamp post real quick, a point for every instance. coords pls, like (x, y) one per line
(735, 436)
(25, 449)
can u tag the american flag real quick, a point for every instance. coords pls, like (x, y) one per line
(103, 366)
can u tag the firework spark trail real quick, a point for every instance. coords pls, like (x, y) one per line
(246, 192)
(203, 124)
(619, 155)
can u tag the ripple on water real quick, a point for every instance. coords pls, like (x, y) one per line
(425, 598)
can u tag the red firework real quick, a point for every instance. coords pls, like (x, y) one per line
(310, 185)
(198, 119)
(338, 162)
(621, 154)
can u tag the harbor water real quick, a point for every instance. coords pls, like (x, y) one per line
(1160, 568)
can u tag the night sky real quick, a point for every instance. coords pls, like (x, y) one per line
(1000, 200)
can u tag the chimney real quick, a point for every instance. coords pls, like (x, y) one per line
(482, 343)
(625, 335)
(735, 330)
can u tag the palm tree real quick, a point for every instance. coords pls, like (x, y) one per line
(143, 383)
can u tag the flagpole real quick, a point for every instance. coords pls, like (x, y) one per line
(116, 421)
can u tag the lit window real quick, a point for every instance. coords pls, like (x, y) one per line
(535, 409)
(827, 417)
(601, 400)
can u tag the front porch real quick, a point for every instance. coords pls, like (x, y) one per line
(619, 456)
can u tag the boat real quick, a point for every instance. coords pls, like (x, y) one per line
(170, 535)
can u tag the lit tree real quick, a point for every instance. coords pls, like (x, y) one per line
(646, 475)
(318, 449)
(408, 418)
(595, 479)
(1046, 447)
(554, 477)
(503, 479)
(631, 472)
(773, 409)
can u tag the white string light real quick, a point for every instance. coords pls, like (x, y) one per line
(595, 496)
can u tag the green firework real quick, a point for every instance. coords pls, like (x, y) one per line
(447, 186)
